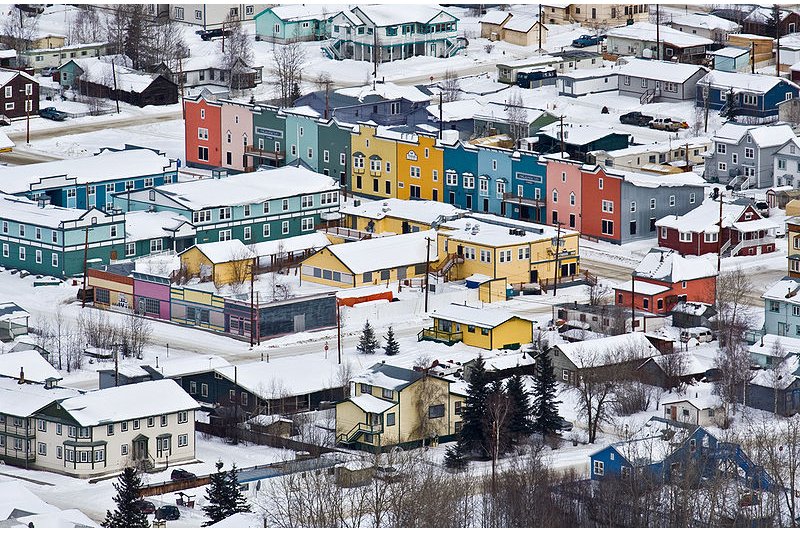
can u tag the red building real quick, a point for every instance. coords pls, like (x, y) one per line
(20, 94)
(203, 133)
(744, 231)
(601, 195)
(664, 278)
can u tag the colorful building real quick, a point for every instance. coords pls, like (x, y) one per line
(397, 216)
(419, 167)
(793, 235)
(223, 262)
(203, 136)
(374, 161)
(490, 329)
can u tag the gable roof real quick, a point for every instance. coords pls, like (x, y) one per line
(34, 366)
(705, 21)
(660, 70)
(101, 72)
(370, 404)
(388, 376)
(495, 16)
(424, 211)
(370, 255)
(664, 264)
(704, 218)
(607, 348)
(743, 81)
(646, 31)
(23, 400)
(764, 136)
(522, 23)
(481, 317)
(223, 251)
(389, 15)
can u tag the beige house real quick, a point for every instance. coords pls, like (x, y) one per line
(492, 24)
(390, 405)
(522, 30)
(698, 411)
(594, 15)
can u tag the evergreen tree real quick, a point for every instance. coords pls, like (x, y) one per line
(127, 514)
(367, 343)
(473, 430)
(545, 405)
(520, 423)
(454, 457)
(392, 347)
(218, 495)
(224, 496)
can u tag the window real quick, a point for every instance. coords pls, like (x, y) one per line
(307, 224)
(202, 153)
(38, 257)
(123, 449)
(41, 425)
(436, 411)
(285, 227)
(22, 227)
(652, 203)
(774, 306)
(523, 253)
(22, 253)
(607, 227)
(135, 425)
(9, 92)
(265, 230)
(203, 391)
(83, 433)
(151, 421)
(110, 429)
(633, 207)
(555, 196)
(156, 245)
(504, 256)
(608, 206)
(5, 249)
(202, 134)
(685, 236)
(672, 200)
(178, 13)
(598, 468)
(183, 440)
(486, 256)
(710, 237)
(123, 426)
(600, 183)
(42, 448)
(285, 204)
(469, 181)
(692, 197)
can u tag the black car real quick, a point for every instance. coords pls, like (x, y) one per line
(180, 474)
(145, 506)
(168, 512)
(635, 118)
(215, 33)
(564, 425)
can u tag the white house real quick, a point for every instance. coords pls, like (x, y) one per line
(587, 81)
(705, 25)
(698, 411)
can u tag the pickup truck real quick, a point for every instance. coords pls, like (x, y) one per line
(635, 118)
(53, 114)
(587, 40)
(667, 124)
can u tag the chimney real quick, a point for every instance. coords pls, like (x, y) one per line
(21, 375)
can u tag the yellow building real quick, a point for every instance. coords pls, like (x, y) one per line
(793, 253)
(390, 405)
(487, 328)
(521, 252)
(223, 262)
(374, 161)
(378, 261)
(397, 216)
(420, 167)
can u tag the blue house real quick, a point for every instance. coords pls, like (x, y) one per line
(90, 182)
(525, 199)
(288, 23)
(665, 449)
(460, 167)
(752, 95)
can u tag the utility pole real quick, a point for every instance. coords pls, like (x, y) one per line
(180, 80)
(557, 273)
(719, 235)
(777, 11)
(561, 119)
(252, 302)
(116, 365)
(752, 57)
(440, 115)
(658, 34)
(427, 269)
(258, 328)
(633, 300)
(116, 92)
(339, 331)
(85, 261)
(540, 28)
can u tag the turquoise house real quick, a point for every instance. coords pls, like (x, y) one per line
(731, 59)
(301, 136)
(287, 23)
(269, 137)
(252, 207)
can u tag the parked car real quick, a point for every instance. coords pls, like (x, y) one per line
(635, 118)
(145, 506)
(587, 40)
(168, 512)
(49, 71)
(180, 474)
(780, 231)
(208, 35)
(701, 334)
(564, 425)
(667, 124)
(53, 114)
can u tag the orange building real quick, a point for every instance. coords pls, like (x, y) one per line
(203, 133)
(601, 196)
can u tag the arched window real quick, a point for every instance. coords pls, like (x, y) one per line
(228, 136)
(572, 198)
(555, 195)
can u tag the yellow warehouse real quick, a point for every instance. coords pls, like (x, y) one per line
(377, 261)
(223, 262)
(487, 328)
(391, 405)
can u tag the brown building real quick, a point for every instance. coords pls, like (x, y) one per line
(19, 92)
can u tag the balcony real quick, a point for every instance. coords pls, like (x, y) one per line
(447, 337)
(521, 200)
(347, 234)
(254, 151)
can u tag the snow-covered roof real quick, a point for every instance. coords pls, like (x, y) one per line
(659, 147)
(653, 443)
(202, 62)
(103, 73)
(370, 255)
(143, 225)
(521, 23)
(22, 400)
(703, 218)
(495, 16)
(127, 402)
(33, 365)
(758, 83)
(386, 90)
(642, 287)
(766, 345)
(456, 110)
(370, 404)
(9, 311)
(780, 377)
(589, 73)
(764, 14)
(653, 181)
(388, 376)
(786, 289)
(28, 212)
(248, 188)
(664, 264)
(240, 521)
(224, 251)
(7, 75)
(300, 12)
(598, 352)
(105, 166)
(580, 134)
(730, 51)
(660, 70)
(423, 211)
(390, 15)
(299, 243)
(302, 110)
(486, 317)
(19, 507)
(283, 377)
(531, 61)
(705, 21)
(646, 31)
(491, 230)
(763, 136)
(173, 368)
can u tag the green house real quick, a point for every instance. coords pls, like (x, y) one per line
(286, 23)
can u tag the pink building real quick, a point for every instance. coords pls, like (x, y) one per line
(152, 295)
(237, 131)
(564, 192)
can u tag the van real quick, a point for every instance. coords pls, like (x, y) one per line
(701, 334)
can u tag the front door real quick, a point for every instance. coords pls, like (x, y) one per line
(673, 413)
(299, 323)
(140, 448)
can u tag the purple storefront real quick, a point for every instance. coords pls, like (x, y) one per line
(151, 294)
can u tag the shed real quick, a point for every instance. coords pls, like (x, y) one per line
(223, 262)
(13, 321)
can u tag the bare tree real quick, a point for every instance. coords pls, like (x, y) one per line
(674, 364)
(498, 411)
(776, 446)
(19, 29)
(289, 61)
(517, 117)
(733, 361)
(166, 44)
(450, 86)
(777, 371)
(733, 314)
(138, 331)
(238, 54)
(598, 293)
(429, 397)
(86, 26)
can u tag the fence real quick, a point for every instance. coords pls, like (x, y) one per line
(263, 439)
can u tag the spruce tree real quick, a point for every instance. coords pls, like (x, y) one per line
(218, 495)
(473, 430)
(238, 502)
(454, 457)
(392, 347)
(545, 405)
(127, 514)
(367, 343)
(520, 423)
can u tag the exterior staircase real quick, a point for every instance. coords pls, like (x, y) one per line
(460, 43)
(649, 96)
(331, 49)
(357, 430)
(443, 267)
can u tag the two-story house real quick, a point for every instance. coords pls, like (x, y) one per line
(486, 328)
(252, 207)
(742, 156)
(704, 25)
(20, 94)
(292, 23)
(661, 157)
(389, 405)
(786, 164)
(782, 308)
(744, 94)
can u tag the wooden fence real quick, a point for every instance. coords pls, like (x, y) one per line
(263, 439)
